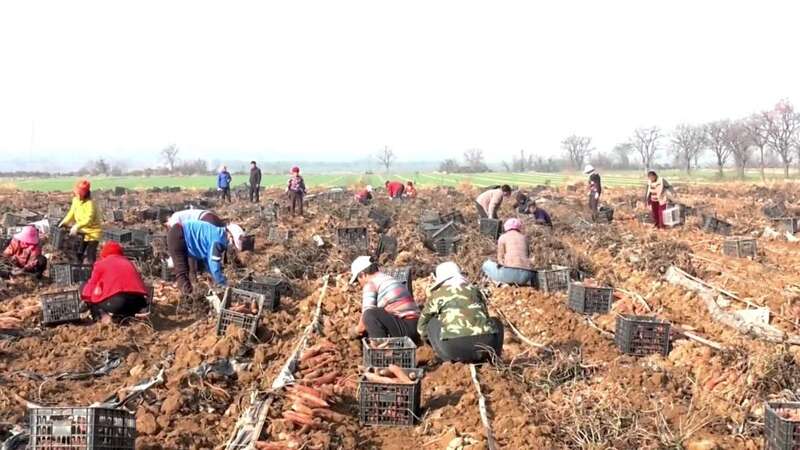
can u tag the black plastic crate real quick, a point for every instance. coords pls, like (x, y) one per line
(244, 320)
(402, 274)
(270, 288)
(355, 238)
(605, 214)
(589, 299)
(774, 211)
(117, 234)
(431, 217)
(85, 428)
(119, 190)
(553, 279)
(158, 213)
(115, 215)
(65, 274)
(446, 247)
(454, 216)
(139, 253)
(381, 352)
(740, 247)
(390, 404)
(247, 242)
(387, 245)
(714, 225)
(781, 429)
(490, 227)
(63, 241)
(790, 225)
(642, 335)
(60, 307)
(381, 218)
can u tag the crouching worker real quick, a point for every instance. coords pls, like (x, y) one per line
(24, 252)
(201, 241)
(364, 196)
(455, 319)
(115, 290)
(513, 264)
(387, 308)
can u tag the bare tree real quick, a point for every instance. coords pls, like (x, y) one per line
(622, 151)
(716, 135)
(578, 149)
(757, 129)
(386, 157)
(520, 163)
(170, 155)
(782, 128)
(688, 141)
(738, 141)
(645, 142)
(474, 159)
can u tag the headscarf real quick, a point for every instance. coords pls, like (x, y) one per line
(512, 224)
(29, 235)
(449, 274)
(82, 189)
(111, 248)
(295, 169)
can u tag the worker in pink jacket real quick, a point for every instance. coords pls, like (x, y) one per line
(488, 203)
(513, 264)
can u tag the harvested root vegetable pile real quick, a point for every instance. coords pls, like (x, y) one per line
(561, 382)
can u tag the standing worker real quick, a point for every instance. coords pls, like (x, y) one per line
(255, 182)
(595, 189)
(296, 189)
(656, 197)
(387, 307)
(513, 264)
(488, 203)
(115, 289)
(455, 319)
(86, 220)
(224, 183)
(203, 242)
(394, 189)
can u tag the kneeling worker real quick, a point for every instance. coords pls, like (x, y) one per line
(387, 308)
(24, 252)
(455, 319)
(115, 289)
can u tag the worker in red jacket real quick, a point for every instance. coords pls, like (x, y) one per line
(395, 189)
(115, 289)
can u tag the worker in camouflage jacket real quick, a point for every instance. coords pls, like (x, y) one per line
(455, 319)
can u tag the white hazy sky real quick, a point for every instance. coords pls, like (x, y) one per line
(339, 79)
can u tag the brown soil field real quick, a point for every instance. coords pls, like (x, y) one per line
(561, 382)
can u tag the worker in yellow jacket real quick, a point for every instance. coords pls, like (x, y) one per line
(86, 220)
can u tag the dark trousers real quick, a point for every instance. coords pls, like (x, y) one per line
(87, 250)
(657, 211)
(225, 193)
(255, 192)
(594, 202)
(399, 193)
(481, 212)
(176, 246)
(296, 201)
(120, 305)
(381, 323)
(470, 349)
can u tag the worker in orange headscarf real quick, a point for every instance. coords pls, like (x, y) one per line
(86, 221)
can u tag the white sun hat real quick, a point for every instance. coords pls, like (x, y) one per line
(359, 265)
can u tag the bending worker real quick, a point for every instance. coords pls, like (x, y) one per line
(203, 242)
(85, 219)
(24, 252)
(455, 319)
(387, 308)
(488, 203)
(394, 189)
(194, 214)
(115, 289)
(513, 264)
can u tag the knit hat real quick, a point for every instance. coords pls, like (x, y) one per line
(111, 248)
(512, 224)
(82, 188)
(295, 169)
(29, 235)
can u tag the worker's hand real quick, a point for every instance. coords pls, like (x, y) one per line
(16, 271)
(596, 195)
(355, 333)
(74, 230)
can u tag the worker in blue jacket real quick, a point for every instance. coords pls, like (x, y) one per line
(224, 183)
(203, 242)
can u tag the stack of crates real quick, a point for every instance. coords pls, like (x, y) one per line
(81, 428)
(552, 279)
(385, 404)
(65, 274)
(270, 288)
(60, 307)
(490, 227)
(740, 247)
(381, 352)
(248, 321)
(642, 335)
(585, 299)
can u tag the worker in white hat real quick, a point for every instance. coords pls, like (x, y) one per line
(595, 188)
(387, 307)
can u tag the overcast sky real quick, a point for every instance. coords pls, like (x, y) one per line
(332, 80)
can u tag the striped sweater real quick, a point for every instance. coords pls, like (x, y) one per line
(383, 291)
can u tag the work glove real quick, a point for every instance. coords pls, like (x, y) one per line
(74, 230)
